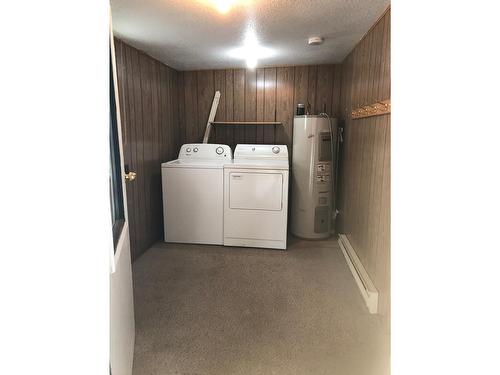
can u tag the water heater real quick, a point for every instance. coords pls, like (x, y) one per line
(312, 176)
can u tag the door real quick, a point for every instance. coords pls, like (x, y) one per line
(122, 325)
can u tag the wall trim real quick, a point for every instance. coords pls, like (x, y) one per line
(365, 284)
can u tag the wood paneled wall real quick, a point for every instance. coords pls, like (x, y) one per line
(265, 94)
(365, 180)
(149, 112)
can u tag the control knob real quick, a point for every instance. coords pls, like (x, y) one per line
(276, 149)
(195, 149)
(219, 150)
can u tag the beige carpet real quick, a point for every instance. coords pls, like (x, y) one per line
(220, 310)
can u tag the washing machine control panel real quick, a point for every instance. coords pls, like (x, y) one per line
(207, 151)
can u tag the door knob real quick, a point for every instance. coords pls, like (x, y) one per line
(130, 176)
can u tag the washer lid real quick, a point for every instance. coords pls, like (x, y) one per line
(200, 164)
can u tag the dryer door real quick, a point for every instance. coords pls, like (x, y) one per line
(255, 207)
(255, 191)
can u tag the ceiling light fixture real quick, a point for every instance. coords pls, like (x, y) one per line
(251, 51)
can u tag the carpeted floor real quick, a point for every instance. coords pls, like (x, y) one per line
(221, 310)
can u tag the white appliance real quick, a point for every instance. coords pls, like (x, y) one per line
(193, 194)
(256, 197)
(312, 198)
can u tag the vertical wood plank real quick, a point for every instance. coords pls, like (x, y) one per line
(386, 59)
(250, 104)
(355, 90)
(138, 125)
(372, 68)
(181, 126)
(384, 235)
(126, 102)
(205, 87)
(229, 106)
(324, 89)
(367, 167)
(260, 106)
(337, 81)
(239, 104)
(132, 202)
(312, 73)
(162, 114)
(190, 107)
(159, 132)
(284, 105)
(165, 116)
(176, 114)
(171, 111)
(220, 85)
(300, 87)
(145, 65)
(269, 103)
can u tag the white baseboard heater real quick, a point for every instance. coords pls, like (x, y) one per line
(365, 284)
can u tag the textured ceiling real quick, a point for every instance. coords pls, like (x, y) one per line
(191, 34)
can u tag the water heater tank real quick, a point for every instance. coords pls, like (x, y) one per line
(312, 176)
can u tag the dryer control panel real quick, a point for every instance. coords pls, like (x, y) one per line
(252, 152)
(205, 151)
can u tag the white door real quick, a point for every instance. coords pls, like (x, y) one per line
(122, 325)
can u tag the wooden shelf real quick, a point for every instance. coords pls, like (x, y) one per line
(246, 123)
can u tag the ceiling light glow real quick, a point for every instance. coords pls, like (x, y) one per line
(251, 51)
(251, 63)
(224, 6)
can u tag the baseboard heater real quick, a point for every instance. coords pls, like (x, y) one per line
(365, 284)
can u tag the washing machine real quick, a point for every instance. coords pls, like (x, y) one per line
(193, 193)
(256, 197)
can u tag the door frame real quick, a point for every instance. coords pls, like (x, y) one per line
(122, 321)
